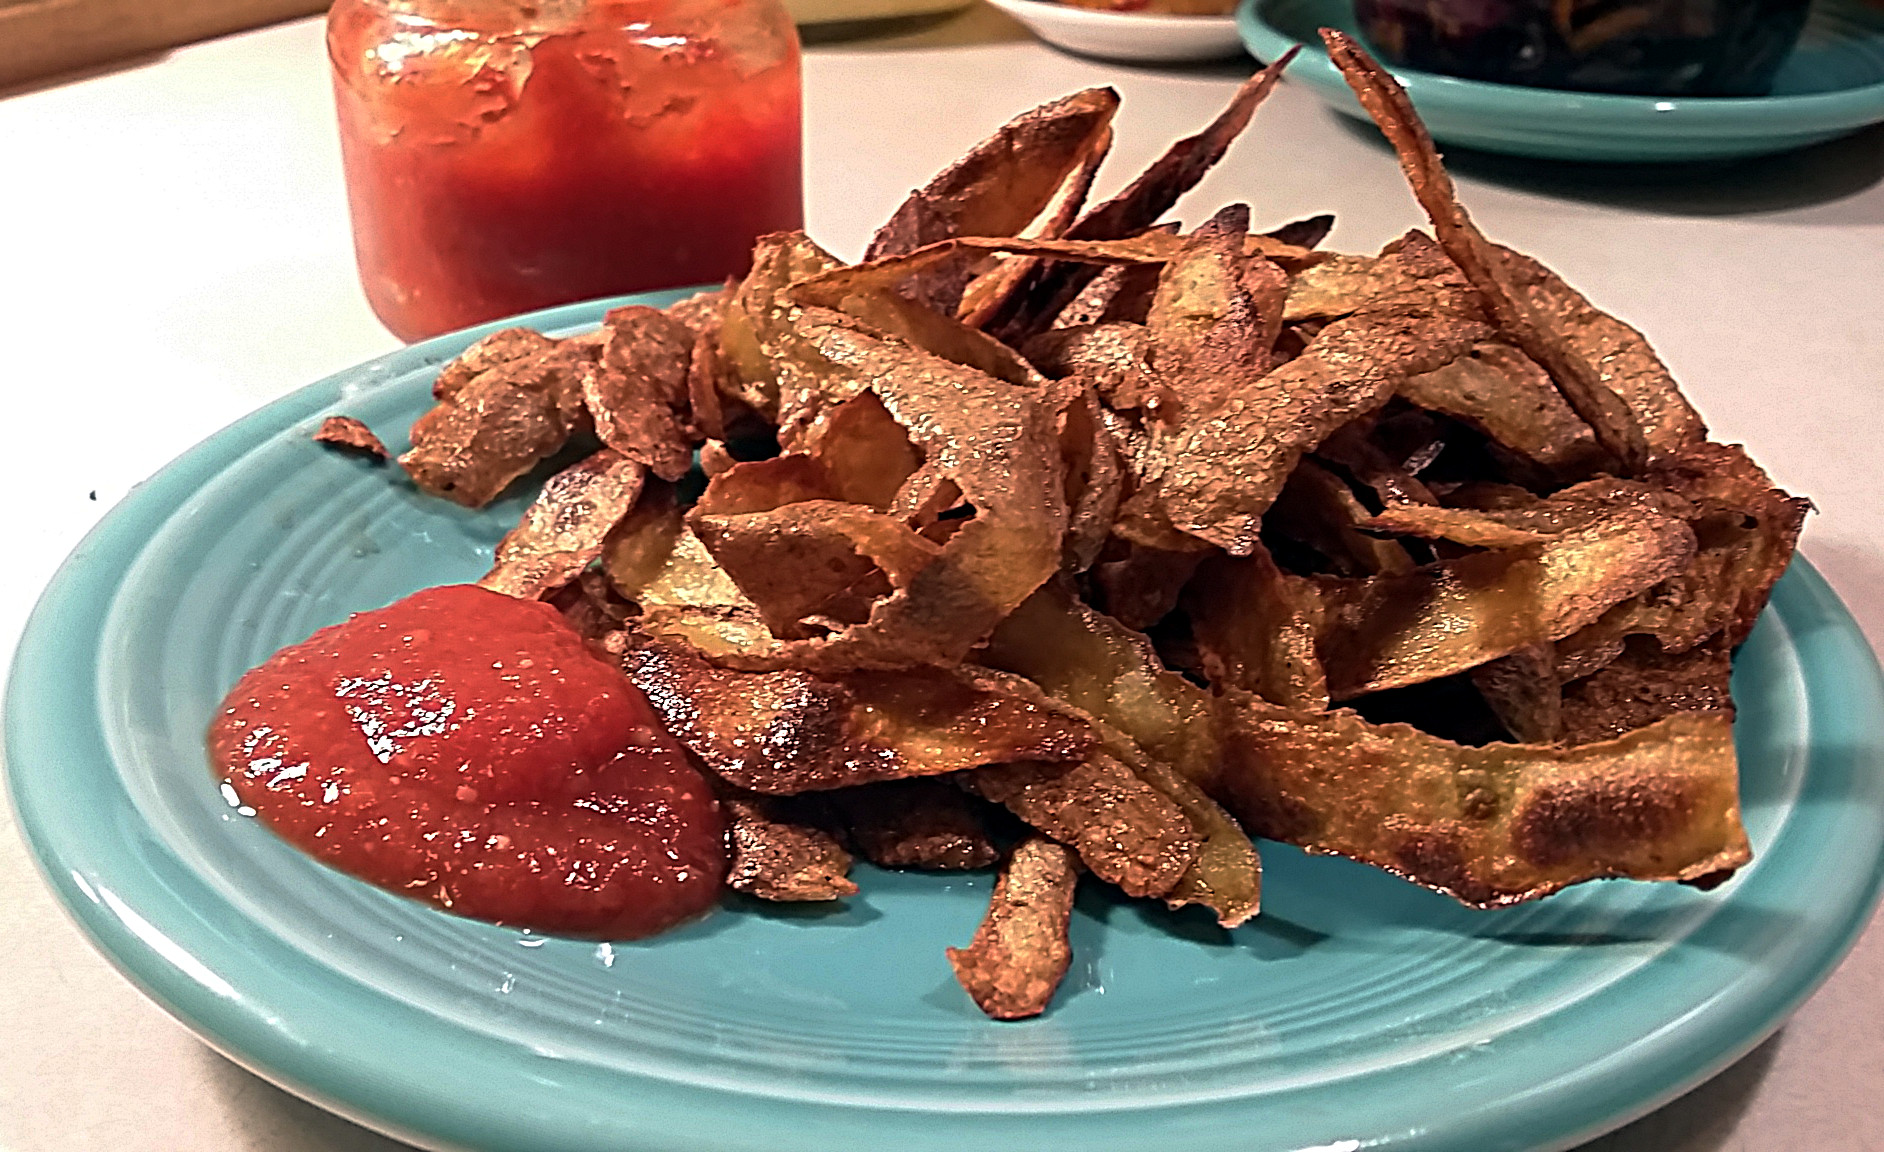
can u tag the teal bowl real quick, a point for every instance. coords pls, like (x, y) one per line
(1831, 85)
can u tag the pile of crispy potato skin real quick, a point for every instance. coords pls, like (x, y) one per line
(1055, 537)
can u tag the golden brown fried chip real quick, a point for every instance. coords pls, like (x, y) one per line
(1317, 508)
(720, 632)
(564, 529)
(1227, 463)
(762, 485)
(920, 823)
(1523, 693)
(1255, 627)
(708, 379)
(1581, 382)
(701, 313)
(864, 454)
(817, 562)
(346, 432)
(638, 393)
(1748, 526)
(638, 550)
(1608, 541)
(991, 292)
(868, 293)
(1052, 285)
(490, 429)
(1004, 183)
(1459, 525)
(1501, 392)
(789, 731)
(1114, 359)
(1491, 825)
(999, 445)
(780, 849)
(1645, 684)
(1021, 952)
(1624, 361)
(1098, 666)
(758, 319)
(1123, 829)
(1746, 530)
(506, 346)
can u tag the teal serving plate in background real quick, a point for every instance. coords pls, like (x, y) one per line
(1356, 1012)
(1831, 85)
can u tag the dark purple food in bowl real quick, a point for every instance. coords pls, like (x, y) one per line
(1641, 47)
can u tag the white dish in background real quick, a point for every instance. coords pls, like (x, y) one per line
(1147, 37)
(837, 11)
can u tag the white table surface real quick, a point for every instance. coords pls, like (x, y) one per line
(175, 253)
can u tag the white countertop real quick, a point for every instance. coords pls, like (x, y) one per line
(176, 253)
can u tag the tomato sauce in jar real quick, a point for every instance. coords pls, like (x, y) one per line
(502, 157)
(469, 749)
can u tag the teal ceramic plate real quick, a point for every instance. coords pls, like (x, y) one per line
(1832, 84)
(1356, 1012)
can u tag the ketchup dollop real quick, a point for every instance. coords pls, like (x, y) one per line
(469, 749)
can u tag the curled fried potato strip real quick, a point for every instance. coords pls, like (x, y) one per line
(1492, 825)
(1581, 382)
(1605, 541)
(566, 526)
(786, 732)
(1021, 951)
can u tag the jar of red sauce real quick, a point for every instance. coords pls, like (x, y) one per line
(504, 155)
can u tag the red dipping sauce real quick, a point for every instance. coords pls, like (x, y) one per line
(469, 749)
(502, 157)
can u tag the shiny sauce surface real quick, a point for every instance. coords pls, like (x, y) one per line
(469, 749)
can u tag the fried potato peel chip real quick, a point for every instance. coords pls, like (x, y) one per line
(566, 526)
(779, 850)
(1614, 425)
(1625, 362)
(638, 395)
(1501, 392)
(1256, 627)
(1148, 718)
(504, 405)
(1524, 693)
(1459, 525)
(788, 731)
(1608, 540)
(814, 558)
(1492, 825)
(1021, 951)
(993, 290)
(1052, 285)
(999, 446)
(1036, 161)
(922, 823)
(1080, 657)
(506, 346)
(347, 432)
(1227, 463)
(1645, 684)
(1746, 531)
(1123, 829)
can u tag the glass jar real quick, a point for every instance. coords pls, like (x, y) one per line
(505, 156)
(1643, 47)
